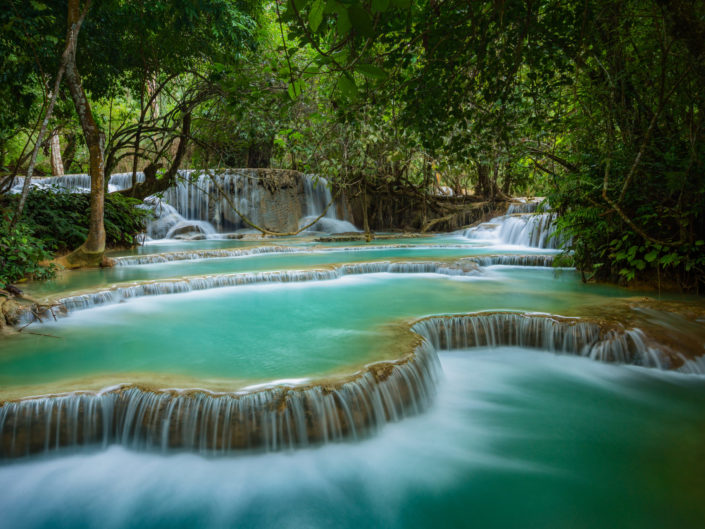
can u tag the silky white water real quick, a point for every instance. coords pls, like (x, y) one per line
(558, 435)
(515, 438)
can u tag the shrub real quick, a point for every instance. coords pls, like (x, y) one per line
(61, 219)
(20, 255)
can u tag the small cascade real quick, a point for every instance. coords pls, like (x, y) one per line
(693, 366)
(536, 230)
(318, 196)
(76, 183)
(195, 255)
(612, 344)
(170, 257)
(524, 206)
(120, 181)
(168, 223)
(191, 284)
(516, 260)
(281, 417)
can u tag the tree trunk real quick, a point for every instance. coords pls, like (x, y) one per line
(483, 180)
(507, 183)
(71, 36)
(259, 153)
(152, 86)
(69, 151)
(486, 186)
(365, 220)
(57, 166)
(90, 253)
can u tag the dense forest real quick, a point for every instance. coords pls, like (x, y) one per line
(596, 105)
(352, 263)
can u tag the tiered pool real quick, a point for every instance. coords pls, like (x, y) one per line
(529, 431)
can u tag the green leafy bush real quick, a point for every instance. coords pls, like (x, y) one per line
(20, 255)
(60, 220)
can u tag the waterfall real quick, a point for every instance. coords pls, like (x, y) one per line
(318, 196)
(286, 417)
(167, 257)
(283, 203)
(516, 260)
(195, 205)
(463, 267)
(191, 284)
(168, 223)
(281, 417)
(524, 206)
(613, 344)
(537, 230)
(75, 183)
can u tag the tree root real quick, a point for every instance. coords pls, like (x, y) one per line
(80, 258)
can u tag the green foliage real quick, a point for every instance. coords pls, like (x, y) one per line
(597, 104)
(20, 255)
(60, 220)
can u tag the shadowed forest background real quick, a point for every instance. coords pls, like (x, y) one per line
(596, 105)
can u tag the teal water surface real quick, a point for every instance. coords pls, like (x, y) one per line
(516, 438)
(274, 331)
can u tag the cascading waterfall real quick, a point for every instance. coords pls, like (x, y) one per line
(281, 417)
(196, 206)
(535, 230)
(76, 183)
(199, 197)
(178, 286)
(528, 206)
(612, 344)
(318, 196)
(287, 417)
(522, 225)
(463, 267)
(515, 260)
(168, 223)
(168, 257)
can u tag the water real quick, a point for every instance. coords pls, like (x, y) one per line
(516, 438)
(536, 230)
(290, 258)
(300, 397)
(274, 330)
(209, 198)
(76, 183)
(195, 205)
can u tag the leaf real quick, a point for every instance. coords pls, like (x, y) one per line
(295, 89)
(315, 16)
(360, 20)
(651, 256)
(403, 4)
(347, 87)
(380, 5)
(343, 23)
(371, 71)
